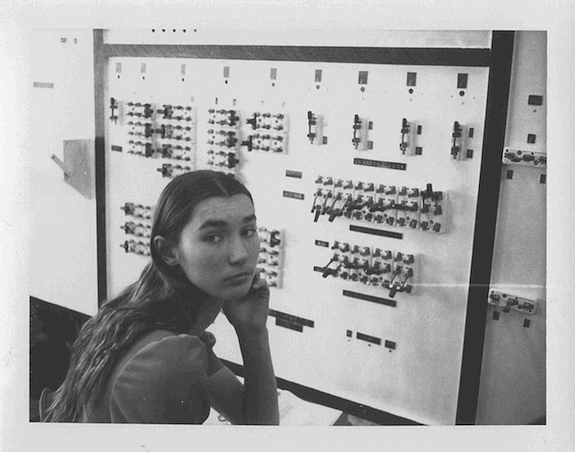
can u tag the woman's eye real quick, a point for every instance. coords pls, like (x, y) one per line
(214, 238)
(249, 232)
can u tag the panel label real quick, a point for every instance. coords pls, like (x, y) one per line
(380, 164)
(292, 173)
(322, 243)
(293, 195)
(390, 344)
(291, 326)
(368, 338)
(43, 85)
(291, 318)
(535, 100)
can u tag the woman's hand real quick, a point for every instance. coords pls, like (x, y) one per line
(249, 314)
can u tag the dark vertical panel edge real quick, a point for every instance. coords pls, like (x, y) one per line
(100, 163)
(485, 222)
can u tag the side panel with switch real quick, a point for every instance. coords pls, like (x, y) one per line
(513, 376)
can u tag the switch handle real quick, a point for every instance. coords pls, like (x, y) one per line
(61, 164)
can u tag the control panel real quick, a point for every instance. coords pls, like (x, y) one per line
(365, 180)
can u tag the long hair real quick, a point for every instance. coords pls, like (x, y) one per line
(162, 298)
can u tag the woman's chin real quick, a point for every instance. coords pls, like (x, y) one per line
(232, 292)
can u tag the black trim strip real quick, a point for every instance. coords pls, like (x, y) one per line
(380, 164)
(322, 398)
(368, 338)
(100, 164)
(485, 222)
(363, 229)
(290, 325)
(362, 296)
(359, 55)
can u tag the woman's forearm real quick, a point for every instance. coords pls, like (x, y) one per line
(260, 397)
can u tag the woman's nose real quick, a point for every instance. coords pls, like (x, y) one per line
(239, 252)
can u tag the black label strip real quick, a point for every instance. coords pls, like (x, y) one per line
(296, 174)
(380, 164)
(390, 344)
(393, 235)
(289, 325)
(322, 243)
(291, 318)
(116, 148)
(293, 195)
(367, 338)
(362, 296)
(43, 85)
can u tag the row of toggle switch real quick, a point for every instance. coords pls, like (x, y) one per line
(271, 257)
(137, 229)
(270, 130)
(158, 131)
(422, 209)
(409, 133)
(137, 210)
(223, 140)
(393, 270)
(527, 158)
(268, 122)
(139, 225)
(164, 131)
(166, 151)
(166, 111)
(167, 131)
(136, 247)
(170, 171)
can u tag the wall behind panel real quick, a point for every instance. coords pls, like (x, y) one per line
(513, 379)
(63, 265)
(414, 370)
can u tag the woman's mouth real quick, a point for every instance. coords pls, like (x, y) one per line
(239, 278)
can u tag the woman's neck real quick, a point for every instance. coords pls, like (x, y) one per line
(207, 313)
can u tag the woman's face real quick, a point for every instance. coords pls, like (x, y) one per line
(218, 248)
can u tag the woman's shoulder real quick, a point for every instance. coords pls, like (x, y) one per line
(164, 372)
(160, 355)
(168, 346)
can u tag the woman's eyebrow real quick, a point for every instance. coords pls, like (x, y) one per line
(222, 223)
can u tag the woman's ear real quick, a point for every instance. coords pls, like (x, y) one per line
(167, 252)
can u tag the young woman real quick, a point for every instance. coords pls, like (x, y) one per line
(146, 357)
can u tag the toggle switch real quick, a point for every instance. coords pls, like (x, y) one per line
(315, 124)
(360, 134)
(113, 110)
(508, 302)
